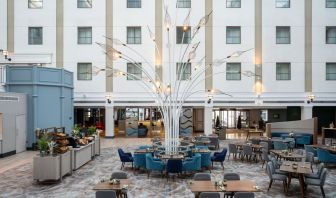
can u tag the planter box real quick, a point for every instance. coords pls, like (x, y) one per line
(52, 167)
(97, 146)
(82, 155)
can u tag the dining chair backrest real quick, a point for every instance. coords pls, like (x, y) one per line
(264, 155)
(319, 169)
(247, 150)
(231, 176)
(275, 163)
(144, 147)
(243, 195)
(323, 176)
(264, 146)
(309, 157)
(270, 170)
(106, 194)
(209, 195)
(310, 148)
(119, 175)
(174, 166)
(202, 177)
(232, 148)
(255, 141)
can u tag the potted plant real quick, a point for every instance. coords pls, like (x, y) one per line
(76, 131)
(43, 144)
(91, 130)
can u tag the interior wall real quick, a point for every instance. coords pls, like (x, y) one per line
(293, 113)
(325, 115)
(1, 117)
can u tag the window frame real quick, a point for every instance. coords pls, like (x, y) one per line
(332, 64)
(277, 65)
(277, 1)
(227, 30)
(131, 78)
(276, 35)
(233, 73)
(327, 28)
(328, 1)
(89, 74)
(29, 32)
(78, 3)
(30, 1)
(79, 38)
(129, 2)
(183, 76)
(227, 3)
(187, 35)
(134, 37)
(184, 2)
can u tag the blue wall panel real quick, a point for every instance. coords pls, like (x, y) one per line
(49, 96)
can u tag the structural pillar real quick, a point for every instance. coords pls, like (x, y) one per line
(208, 120)
(306, 112)
(109, 121)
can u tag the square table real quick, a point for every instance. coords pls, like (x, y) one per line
(302, 169)
(287, 156)
(107, 186)
(231, 186)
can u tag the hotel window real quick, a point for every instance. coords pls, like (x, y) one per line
(183, 71)
(35, 36)
(133, 3)
(233, 35)
(134, 71)
(133, 35)
(331, 3)
(233, 71)
(283, 71)
(233, 3)
(331, 35)
(282, 3)
(183, 4)
(179, 35)
(84, 3)
(283, 35)
(84, 71)
(84, 35)
(331, 71)
(35, 4)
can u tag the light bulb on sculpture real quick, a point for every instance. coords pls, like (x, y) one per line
(170, 94)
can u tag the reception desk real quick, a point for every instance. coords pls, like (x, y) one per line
(328, 133)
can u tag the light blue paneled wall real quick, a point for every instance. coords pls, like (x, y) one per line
(49, 96)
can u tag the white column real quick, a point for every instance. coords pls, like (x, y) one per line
(109, 121)
(208, 120)
(306, 112)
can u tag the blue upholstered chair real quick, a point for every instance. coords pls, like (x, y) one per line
(278, 145)
(154, 164)
(303, 139)
(310, 148)
(106, 194)
(202, 147)
(206, 160)
(219, 157)
(174, 166)
(125, 157)
(139, 160)
(144, 147)
(325, 156)
(192, 164)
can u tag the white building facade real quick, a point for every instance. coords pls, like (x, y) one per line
(292, 50)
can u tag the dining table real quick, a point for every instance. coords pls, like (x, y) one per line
(287, 155)
(118, 187)
(296, 168)
(228, 186)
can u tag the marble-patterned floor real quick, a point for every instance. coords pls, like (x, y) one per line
(18, 181)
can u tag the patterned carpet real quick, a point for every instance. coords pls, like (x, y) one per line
(19, 182)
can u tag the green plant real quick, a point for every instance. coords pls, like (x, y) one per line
(76, 131)
(91, 130)
(43, 142)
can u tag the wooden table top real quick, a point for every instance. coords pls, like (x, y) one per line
(302, 167)
(144, 151)
(167, 157)
(325, 147)
(107, 186)
(287, 156)
(255, 146)
(201, 151)
(231, 186)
